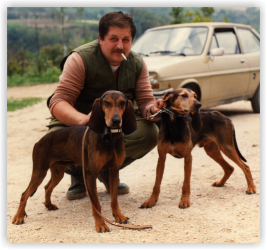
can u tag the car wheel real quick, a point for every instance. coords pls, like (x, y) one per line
(255, 101)
(195, 88)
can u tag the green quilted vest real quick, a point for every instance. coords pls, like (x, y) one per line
(99, 77)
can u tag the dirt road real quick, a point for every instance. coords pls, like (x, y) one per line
(225, 214)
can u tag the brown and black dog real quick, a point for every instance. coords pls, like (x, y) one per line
(188, 127)
(112, 115)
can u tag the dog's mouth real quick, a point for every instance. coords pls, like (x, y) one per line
(179, 110)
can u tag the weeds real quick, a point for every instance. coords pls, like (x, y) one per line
(14, 104)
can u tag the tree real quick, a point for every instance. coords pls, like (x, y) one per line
(204, 15)
(177, 13)
(63, 17)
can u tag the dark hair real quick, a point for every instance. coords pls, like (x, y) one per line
(116, 19)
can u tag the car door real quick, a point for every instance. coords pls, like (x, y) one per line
(251, 49)
(229, 72)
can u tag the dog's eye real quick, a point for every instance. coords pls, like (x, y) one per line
(107, 104)
(184, 95)
(122, 103)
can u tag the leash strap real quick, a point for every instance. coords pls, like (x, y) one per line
(150, 118)
(104, 218)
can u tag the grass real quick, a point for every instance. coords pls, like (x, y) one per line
(14, 104)
(30, 78)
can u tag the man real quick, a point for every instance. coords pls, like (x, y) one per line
(94, 68)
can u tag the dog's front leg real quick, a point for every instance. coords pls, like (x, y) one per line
(90, 180)
(113, 181)
(185, 199)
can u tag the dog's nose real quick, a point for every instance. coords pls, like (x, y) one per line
(116, 120)
(198, 105)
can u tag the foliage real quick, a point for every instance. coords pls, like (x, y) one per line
(14, 104)
(87, 40)
(145, 20)
(51, 75)
(177, 13)
(202, 15)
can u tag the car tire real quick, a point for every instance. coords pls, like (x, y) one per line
(255, 101)
(195, 88)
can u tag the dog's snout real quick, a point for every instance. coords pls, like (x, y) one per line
(198, 105)
(116, 120)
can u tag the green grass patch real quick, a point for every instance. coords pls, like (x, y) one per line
(32, 78)
(14, 104)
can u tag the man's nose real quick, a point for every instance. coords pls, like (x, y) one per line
(120, 44)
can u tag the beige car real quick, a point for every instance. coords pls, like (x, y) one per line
(219, 61)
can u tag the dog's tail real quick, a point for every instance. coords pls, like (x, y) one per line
(33, 192)
(237, 149)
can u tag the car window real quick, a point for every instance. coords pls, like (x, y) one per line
(227, 39)
(213, 44)
(182, 40)
(249, 42)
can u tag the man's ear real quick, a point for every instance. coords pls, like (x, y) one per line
(97, 121)
(129, 124)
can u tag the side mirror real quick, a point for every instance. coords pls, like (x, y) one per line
(216, 52)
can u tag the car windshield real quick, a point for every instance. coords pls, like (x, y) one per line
(172, 41)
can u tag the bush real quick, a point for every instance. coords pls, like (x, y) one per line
(51, 75)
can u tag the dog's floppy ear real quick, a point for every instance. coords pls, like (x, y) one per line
(167, 98)
(196, 121)
(129, 124)
(97, 121)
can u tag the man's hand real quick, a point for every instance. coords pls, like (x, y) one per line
(157, 106)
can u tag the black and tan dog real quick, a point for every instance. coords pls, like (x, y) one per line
(188, 127)
(112, 115)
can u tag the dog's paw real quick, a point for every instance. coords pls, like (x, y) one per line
(50, 206)
(251, 190)
(217, 184)
(184, 203)
(120, 218)
(102, 228)
(18, 220)
(149, 203)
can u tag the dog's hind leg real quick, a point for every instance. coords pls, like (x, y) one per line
(213, 151)
(57, 173)
(36, 180)
(231, 153)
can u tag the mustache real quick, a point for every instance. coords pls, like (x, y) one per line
(118, 51)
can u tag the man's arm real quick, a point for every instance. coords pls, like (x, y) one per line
(144, 97)
(67, 114)
(70, 85)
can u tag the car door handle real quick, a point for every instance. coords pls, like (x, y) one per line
(242, 60)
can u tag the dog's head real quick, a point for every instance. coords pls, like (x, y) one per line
(113, 110)
(184, 101)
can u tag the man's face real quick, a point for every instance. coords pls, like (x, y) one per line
(115, 42)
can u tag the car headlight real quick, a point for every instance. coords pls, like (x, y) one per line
(153, 80)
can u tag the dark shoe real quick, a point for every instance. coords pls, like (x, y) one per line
(104, 177)
(77, 189)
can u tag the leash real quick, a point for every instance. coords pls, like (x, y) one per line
(150, 118)
(104, 218)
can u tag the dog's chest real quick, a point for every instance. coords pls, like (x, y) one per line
(180, 150)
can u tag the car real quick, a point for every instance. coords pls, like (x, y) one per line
(219, 61)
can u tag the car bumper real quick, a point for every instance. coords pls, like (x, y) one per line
(160, 93)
